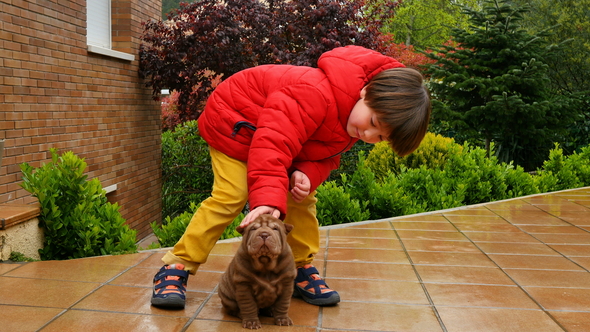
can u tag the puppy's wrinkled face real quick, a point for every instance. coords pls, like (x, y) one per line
(265, 237)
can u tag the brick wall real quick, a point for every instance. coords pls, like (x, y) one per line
(54, 93)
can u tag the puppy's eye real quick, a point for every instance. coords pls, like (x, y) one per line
(275, 228)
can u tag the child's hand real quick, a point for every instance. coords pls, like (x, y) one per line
(300, 186)
(258, 211)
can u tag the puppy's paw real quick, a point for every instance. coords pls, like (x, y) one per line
(252, 324)
(283, 321)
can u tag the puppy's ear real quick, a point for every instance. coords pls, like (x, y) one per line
(288, 228)
(240, 229)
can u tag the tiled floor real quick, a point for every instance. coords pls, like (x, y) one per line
(516, 265)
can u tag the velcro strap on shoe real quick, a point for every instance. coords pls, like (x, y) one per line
(161, 276)
(313, 283)
(311, 270)
(176, 283)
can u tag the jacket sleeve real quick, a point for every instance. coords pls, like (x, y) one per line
(284, 124)
(317, 171)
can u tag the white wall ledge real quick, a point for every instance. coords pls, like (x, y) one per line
(111, 53)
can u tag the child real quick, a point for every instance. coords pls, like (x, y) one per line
(275, 132)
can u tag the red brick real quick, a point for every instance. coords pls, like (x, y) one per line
(54, 94)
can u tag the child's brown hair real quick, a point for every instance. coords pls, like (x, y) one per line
(402, 104)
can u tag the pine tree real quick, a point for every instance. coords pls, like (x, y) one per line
(493, 86)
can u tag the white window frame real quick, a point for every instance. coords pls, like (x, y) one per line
(98, 30)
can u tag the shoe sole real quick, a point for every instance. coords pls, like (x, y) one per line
(322, 302)
(172, 301)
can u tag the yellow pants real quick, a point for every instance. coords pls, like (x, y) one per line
(229, 195)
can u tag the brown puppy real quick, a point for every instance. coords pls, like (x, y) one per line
(261, 274)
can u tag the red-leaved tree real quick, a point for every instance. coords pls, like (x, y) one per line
(409, 56)
(208, 40)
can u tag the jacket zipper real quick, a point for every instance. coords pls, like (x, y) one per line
(252, 127)
(241, 124)
(350, 144)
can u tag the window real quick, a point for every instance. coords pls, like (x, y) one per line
(99, 23)
(98, 27)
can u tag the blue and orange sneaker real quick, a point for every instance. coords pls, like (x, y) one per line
(170, 286)
(312, 288)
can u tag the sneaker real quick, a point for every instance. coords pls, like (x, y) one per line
(312, 288)
(170, 286)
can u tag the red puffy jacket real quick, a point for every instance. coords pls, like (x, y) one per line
(279, 118)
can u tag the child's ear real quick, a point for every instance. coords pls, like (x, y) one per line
(363, 92)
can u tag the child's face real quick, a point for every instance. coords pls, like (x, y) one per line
(363, 123)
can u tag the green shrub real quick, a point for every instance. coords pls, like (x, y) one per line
(186, 169)
(78, 219)
(560, 172)
(432, 153)
(349, 160)
(336, 207)
(483, 177)
(386, 200)
(173, 228)
(465, 177)
(16, 256)
(518, 182)
(430, 189)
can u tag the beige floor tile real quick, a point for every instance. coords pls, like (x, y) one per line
(564, 229)
(583, 261)
(521, 217)
(382, 271)
(502, 237)
(498, 227)
(363, 243)
(43, 293)
(450, 258)
(431, 217)
(567, 299)
(564, 239)
(463, 275)
(425, 226)
(87, 321)
(445, 246)
(517, 248)
(480, 296)
(71, 270)
(371, 225)
(363, 232)
(496, 320)
(7, 267)
(534, 262)
(367, 255)
(572, 250)
(25, 319)
(478, 211)
(573, 321)
(136, 300)
(550, 278)
(380, 317)
(406, 292)
(431, 235)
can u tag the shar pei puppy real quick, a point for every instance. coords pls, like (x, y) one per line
(261, 275)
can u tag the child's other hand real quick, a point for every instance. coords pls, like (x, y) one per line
(258, 211)
(300, 186)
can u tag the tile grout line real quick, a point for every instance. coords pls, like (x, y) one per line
(505, 273)
(101, 285)
(199, 309)
(440, 321)
(324, 270)
(533, 234)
